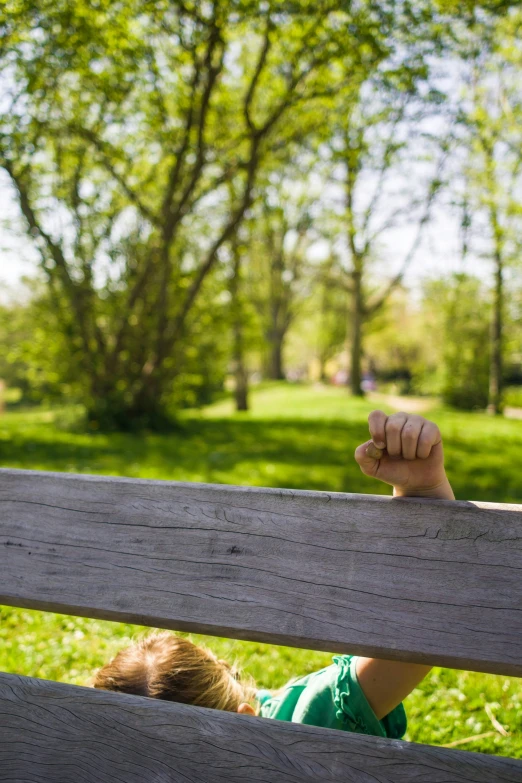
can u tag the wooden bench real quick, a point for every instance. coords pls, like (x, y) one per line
(415, 580)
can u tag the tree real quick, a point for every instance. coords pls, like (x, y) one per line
(238, 315)
(372, 143)
(277, 263)
(34, 358)
(491, 116)
(122, 125)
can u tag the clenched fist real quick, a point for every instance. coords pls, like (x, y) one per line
(406, 452)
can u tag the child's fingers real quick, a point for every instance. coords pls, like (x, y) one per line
(410, 435)
(430, 436)
(377, 424)
(367, 457)
(394, 425)
(401, 434)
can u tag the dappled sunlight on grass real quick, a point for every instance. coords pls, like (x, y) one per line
(295, 436)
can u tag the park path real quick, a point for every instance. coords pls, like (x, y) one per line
(406, 404)
(513, 413)
(423, 404)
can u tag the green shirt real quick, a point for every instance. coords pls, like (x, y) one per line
(332, 698)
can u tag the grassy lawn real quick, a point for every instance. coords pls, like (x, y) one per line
(298, 437)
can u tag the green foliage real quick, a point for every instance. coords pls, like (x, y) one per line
(38, 355)
(457, 7)
(205, 351)
(513, 396)
(298, 437)
(42, 360)
(460, 307)
(398, 349)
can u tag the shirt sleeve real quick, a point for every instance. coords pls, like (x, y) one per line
(331, 698)
(352, 707)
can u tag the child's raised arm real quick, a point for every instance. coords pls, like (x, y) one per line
(406, 452)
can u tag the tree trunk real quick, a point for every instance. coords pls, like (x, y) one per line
(495, 372)
(497, 232)
(357, 313)
(241, 390)
(276, 371)
(238, 348)
(357, 316)
(240, 372)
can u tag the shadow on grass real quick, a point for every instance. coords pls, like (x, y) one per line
(299, 454)
(490, 473)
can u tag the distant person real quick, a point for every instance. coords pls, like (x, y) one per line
(340, 378)
(368, 383)
(354, 693)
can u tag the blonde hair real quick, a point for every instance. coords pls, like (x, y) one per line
(170, 667)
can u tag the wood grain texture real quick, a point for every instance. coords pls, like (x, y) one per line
(419, 580)
(55, 733)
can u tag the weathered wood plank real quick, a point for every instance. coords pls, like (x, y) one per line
(432, 581)
(56, 733)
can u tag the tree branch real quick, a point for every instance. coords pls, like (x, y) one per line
(213, 73)
(257, 73)
(226, 234)
(75, 292)
(102, 147)
(179, 155)
(373, 307)
(383, 170)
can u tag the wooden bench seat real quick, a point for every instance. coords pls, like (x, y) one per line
(435, 582)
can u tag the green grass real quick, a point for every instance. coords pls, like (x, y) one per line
(298, 437)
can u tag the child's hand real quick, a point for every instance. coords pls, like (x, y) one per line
(406, 452)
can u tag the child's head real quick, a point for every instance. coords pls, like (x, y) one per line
(172, 668)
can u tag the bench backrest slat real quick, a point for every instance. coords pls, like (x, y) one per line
(429, 581)
(60, 733)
